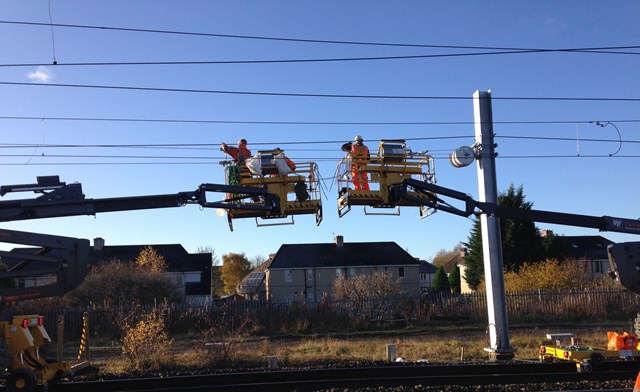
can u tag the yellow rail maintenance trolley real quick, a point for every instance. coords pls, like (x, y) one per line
(567, 348)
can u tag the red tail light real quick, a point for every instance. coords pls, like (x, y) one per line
(566, 354)
(25, 323)
(543, 350)
(41, 321)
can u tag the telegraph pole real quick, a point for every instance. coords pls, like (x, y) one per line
(498, 328)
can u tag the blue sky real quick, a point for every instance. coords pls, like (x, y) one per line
(592, 170)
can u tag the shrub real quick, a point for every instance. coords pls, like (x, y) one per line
(117, 282)
(145, 341)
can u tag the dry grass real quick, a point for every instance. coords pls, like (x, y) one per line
(437, 347)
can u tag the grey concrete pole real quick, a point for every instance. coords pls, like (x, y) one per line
(498, 327)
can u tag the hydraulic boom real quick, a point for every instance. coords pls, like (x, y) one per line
(60, 263)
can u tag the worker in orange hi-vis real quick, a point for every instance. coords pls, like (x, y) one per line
(359, 157)
(290, 163)
(240, 153)
(636, 387)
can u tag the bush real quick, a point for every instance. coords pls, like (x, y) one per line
(145, 341)
(117, 282)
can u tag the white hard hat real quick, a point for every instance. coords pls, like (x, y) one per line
(358, 138)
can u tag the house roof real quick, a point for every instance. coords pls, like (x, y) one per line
(349, 254)
(592, 247)
(453, 262)
(252, 282)
(176, 257)
(427, 268)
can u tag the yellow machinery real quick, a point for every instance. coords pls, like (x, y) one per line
(568, 348)
(392, 164)
(24, 336)
(294, 192)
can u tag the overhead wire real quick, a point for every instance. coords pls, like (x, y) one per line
(214, 145)
(285, 61)
(501, 50)
(312, 95)
(436, 154)
(209, 121)
(315, 41)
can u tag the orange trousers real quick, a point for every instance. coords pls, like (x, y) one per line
(360, 179)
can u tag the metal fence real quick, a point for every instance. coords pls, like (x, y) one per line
(253, 317)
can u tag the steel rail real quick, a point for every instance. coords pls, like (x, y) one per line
(384, 376)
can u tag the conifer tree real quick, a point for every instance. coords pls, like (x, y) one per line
(454, 280)
(440, 281)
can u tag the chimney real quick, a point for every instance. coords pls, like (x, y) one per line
(98, 243)
(463, 252)
(546, 233)
(339, 241)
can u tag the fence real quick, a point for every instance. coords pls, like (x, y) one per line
(253, 317)
(537, 306)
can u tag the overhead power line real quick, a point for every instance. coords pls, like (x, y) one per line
(120, 163)
(285, 61)
(316, 41)
(313, 95)
(205, 121)
(215, 145)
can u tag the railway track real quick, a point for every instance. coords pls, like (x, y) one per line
(362, 377)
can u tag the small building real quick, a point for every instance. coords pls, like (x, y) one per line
(192, 271)
(306, 272)
(427, 272)
(590, 249)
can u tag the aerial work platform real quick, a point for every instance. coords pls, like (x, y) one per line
(392, 164)
(296, 191)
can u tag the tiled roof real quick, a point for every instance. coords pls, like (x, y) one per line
(427, 268)
(176, 257)
(349, 254)
(593, 247)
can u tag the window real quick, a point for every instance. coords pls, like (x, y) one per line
(596, 266)
(353, 271)
(288, 276)
(338, 272)
(310, 275)
(401, 272)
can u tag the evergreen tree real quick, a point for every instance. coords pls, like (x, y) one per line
(440, 281)
(473, 261)
(555, 246)
(521, 241)
(454, 280)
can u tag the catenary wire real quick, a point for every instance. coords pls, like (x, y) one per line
(214, 145)
(303, 40)
(261, 143)
(285, 61)
(312, 95)
(185, 121)
(209, 163)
